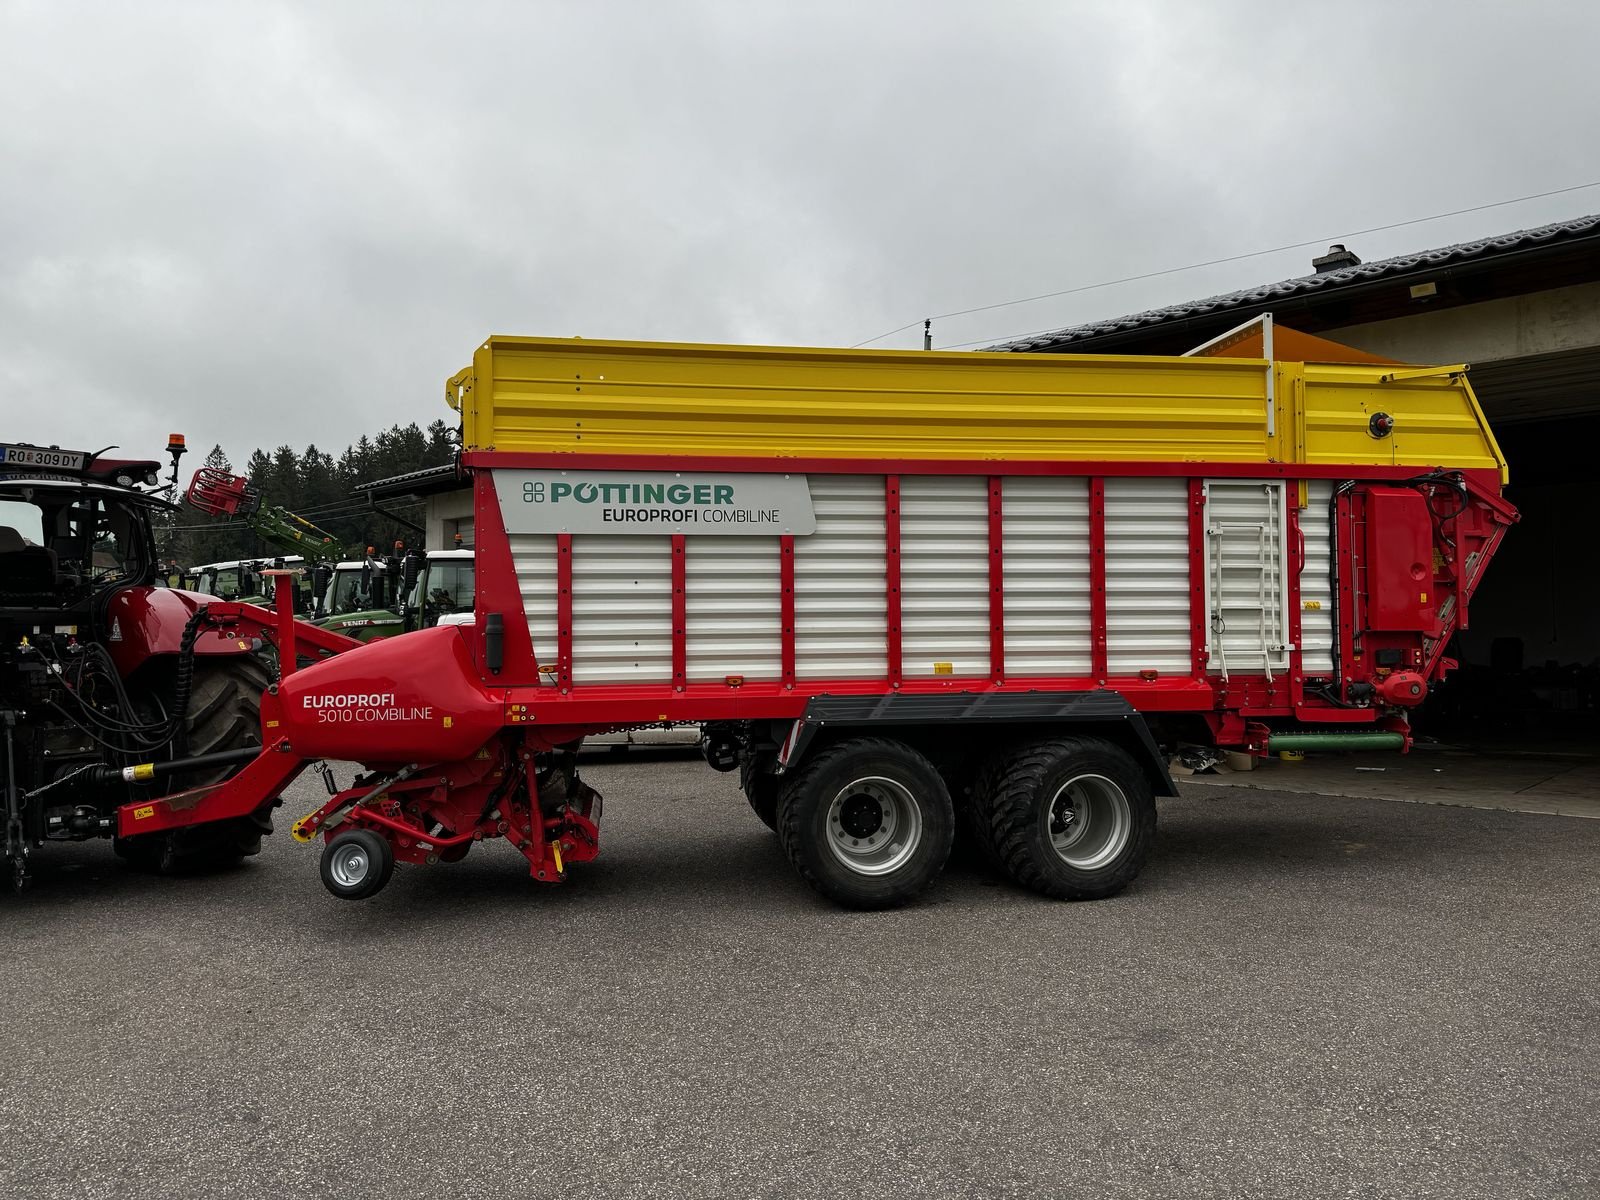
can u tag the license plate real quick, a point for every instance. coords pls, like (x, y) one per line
(34, 456)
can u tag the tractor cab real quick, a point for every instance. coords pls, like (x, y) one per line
(445, 588)
(354, 586)
(72, 527)
(234, 579)
(358, 599)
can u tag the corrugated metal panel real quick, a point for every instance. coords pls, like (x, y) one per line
(944, 574)
(622, 608)
(533, 557)
(1534, 387)
(735, 608)
(583, 397)
(1147, 576)
(1436, 420)
(1046, 540)
(841, 620)
(1316, 581)
(1246, 595)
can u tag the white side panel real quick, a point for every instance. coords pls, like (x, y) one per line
(1246, 561)
(841, 617)
(944, 574)
(1147, 576)
(1046, 538)
(734, 602)
(621, 608)
(533, 557)
(1316, 581)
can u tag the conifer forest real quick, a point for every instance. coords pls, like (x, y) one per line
(315, 484)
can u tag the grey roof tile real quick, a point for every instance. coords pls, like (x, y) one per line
(1521, 239)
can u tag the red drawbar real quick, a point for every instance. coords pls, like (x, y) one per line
(997, 580)
(1197, 576)
(564, 609)
(1097, 576)
(891, 540)
(680, 611)
(786, 583)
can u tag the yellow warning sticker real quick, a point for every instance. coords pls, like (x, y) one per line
(143, 772)
(1313, 605)
(449, 721)
(147, 810)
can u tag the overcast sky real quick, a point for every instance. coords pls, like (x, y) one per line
(277, 222)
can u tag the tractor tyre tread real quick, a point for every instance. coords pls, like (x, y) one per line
(761, 791)
(1011, 818)
(793, 811)
(978, 821)
(223, 714)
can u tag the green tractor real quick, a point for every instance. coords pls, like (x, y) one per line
(356, 597)
(367, 597)
(242, 579)
(371, 600)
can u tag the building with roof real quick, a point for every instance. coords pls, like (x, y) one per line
(446, 498)
(1523, 309)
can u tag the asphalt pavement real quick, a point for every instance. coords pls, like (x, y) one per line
(1301, 996)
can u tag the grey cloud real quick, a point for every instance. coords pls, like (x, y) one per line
(277, 223)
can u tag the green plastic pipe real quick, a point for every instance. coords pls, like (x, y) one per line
(1372, 739)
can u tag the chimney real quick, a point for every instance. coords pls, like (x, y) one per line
(1336, 257)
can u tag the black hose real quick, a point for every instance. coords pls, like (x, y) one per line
(132, 737)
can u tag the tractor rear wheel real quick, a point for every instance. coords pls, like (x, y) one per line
(224, 713)
(867, 822)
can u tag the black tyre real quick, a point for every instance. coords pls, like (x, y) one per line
(224, 713)
(867, 823)
(1072, 818)
(972, 812)
(761, 790)
(356, 864)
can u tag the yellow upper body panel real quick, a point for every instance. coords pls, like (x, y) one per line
(573, 396)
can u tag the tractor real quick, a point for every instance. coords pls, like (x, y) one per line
(116, 688)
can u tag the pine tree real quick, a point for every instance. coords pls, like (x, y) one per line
(317, 486)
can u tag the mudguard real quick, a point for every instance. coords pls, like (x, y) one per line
(143, 622)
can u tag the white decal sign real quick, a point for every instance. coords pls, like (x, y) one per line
(654, 502)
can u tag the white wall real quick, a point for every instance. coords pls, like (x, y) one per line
(1514, 327)
(445, 514)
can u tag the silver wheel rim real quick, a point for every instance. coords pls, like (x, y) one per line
(1088, 822)
(350, 865)
(874, 825)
